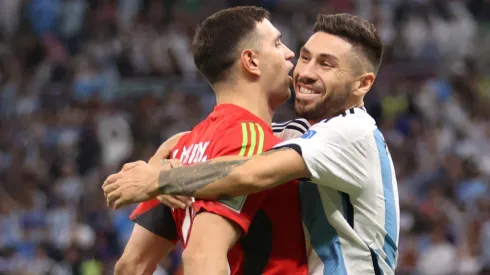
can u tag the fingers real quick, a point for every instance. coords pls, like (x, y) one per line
(114, 177)
(175, 201)
(109, 188)
(111, 179)
(116, 185)
(171, 202)
(119, 203)
(131, 165)
(112, 197)
(186, 200)
(128, 166)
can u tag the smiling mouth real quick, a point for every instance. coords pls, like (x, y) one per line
(307, 91)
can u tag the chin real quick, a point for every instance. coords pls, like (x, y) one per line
(307, 112)
(284, 99)
(286, 94)
(302, 107)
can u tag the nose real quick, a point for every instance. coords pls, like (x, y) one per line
(306, 72)
(288, 55)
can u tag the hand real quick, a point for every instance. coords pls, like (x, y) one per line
(158, 160)
(175, 201)
(134, 184)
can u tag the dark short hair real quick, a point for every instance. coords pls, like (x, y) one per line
(357, 31)
(216, 39)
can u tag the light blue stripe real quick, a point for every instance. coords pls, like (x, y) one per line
(390, 208)
(324, 238)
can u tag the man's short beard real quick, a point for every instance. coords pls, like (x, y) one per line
(326, 108)
(313, 114)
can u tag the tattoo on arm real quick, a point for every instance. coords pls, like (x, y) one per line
(186, 180)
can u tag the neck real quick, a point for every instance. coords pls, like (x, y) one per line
(358, 104)
(247, 96)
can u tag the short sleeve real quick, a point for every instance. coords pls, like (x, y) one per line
(242, 139)
(156, 218)
(334, 156)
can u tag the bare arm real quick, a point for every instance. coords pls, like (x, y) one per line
(210, 239)
(143, 252)
(218, 178)
(163, 152)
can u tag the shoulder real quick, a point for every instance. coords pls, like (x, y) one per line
(298, 124)
(244, 125)
(246, 131)
(351, 126)
(291, 129)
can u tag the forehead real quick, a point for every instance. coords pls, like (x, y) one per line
(266, 28)
(325, 43)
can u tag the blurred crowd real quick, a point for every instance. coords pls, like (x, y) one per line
(86, 86)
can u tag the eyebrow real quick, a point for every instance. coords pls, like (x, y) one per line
(321, 55)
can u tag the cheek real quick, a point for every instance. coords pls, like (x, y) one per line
(332, 82)
(329, 79)
(297, 69)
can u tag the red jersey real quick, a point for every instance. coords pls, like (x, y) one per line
(273, 240)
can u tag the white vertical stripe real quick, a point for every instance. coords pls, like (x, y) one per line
(397, 203)
(395, 193)
(186, 225)
(315, 264)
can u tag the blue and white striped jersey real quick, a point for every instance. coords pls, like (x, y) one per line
(350, 206)
(290, 129)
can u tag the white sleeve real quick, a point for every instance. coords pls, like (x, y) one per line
(290, 129)
(334, 155)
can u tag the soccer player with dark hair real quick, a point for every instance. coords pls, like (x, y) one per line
(241, 54)
(349, 195)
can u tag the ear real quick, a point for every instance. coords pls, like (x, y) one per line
(364, 84)
(250, 62)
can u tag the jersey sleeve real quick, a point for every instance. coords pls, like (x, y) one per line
(334, 156)
(243, 139)
(290, 129)
(156, 218)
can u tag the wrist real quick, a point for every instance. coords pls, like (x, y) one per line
(154, 188)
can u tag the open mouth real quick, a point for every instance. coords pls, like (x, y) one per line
(307, 91)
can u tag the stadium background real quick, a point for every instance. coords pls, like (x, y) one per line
(88, 85)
